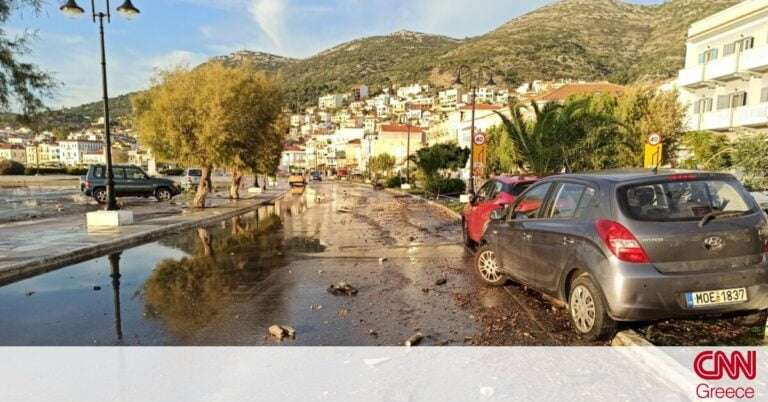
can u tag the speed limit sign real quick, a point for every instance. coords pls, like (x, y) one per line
(479, 139)
(654, 139)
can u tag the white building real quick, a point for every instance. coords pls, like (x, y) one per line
(725, 80)
(449, 98)
(71, 152)
(333, 101)
(411, 90)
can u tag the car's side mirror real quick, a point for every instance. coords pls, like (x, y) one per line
(518, 216)
(500, 214)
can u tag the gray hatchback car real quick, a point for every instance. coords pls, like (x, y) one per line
(633, 246)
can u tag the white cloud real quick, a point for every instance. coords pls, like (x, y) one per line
(270, 15)
(176, 58)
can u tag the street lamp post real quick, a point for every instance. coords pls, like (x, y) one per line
(474, 77)
(128, 10)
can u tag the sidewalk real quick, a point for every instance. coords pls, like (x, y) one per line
(31, 247)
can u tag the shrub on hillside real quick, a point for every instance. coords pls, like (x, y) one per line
(9, 167)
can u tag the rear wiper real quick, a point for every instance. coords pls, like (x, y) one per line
(718, 214)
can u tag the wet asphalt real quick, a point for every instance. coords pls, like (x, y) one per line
(227, 284)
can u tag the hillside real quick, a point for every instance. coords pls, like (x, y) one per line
(578, 39)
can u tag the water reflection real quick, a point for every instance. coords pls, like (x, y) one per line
(114, 265)
(187, 294)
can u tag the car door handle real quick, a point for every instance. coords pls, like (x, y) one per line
(527, 236)
(567, 240)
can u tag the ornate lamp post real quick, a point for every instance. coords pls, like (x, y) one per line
(474, 78)
(71, 8)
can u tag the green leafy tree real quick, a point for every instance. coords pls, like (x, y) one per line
(750, 156)
(209, 116)
(437, 158)
(708, 151)
(502, 155)
(20, 82)
(383, 163)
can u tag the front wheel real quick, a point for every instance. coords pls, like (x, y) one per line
(588, 310)
(488, 267)
(163, 194)
(100, 195)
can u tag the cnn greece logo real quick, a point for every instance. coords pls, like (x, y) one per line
(715, 365)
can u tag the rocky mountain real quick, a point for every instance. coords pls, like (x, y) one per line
(577, 39)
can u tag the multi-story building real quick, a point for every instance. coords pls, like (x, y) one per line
(293, 157)
(393, 139)
(72, 151)
(725, 80)
(13, 152)
(449, 98)
(332, 101)
(359, 93)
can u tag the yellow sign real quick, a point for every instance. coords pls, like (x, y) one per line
(480, 157)
(652, 156)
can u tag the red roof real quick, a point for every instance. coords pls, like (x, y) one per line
(292, 148)
(398, 128)
(355, 142)
(568, 90)
(10, 146)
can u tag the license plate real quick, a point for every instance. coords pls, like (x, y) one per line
(716, 297)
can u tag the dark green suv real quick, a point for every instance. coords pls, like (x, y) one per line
(130, 181)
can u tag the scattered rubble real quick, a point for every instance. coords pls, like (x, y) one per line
(383, 260)
(441, 282)
(97, 288)
(282, 331)
(316, 307)
(342, 289)
(414, 340)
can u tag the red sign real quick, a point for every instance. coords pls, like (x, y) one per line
(711, 365)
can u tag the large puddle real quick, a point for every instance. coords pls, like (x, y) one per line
(158, 293)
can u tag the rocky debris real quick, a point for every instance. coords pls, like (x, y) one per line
(343, 210)
(282, 331)
(316, 307)
(414, 340)
(30, 293)
(342, 289)
(373, 333)
(97, 288)
(441, 282)
(343, 312)
(383, 260)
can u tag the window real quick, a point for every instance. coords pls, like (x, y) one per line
(119, 172)
(707, 56)
(703, 106)
(530, 204)
(739, 99)
(133, 173)
(571, 201)
(682, 200)
(723, 102)
(517, 189)
(764, 95)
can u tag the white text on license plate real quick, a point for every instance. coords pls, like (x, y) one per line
(715, 297)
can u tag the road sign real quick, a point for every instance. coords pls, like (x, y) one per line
(480, 156)
(479, 139)
(654, 139)
(653, 151)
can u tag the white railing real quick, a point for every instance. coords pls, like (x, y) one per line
(755, 59)
(752, 115)
(690, 76)
(722, 68)
(719, 120)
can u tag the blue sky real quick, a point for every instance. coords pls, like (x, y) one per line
(173, 32)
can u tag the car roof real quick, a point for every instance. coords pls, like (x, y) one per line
(626, 175)
(515, 179)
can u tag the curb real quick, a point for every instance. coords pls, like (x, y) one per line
(452, 213)
(16, 272)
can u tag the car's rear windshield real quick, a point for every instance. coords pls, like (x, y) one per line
(684, 200)
(194, 172)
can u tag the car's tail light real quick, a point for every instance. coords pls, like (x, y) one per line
(88, 184)
(622, 243)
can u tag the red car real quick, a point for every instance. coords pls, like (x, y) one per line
(494, 194)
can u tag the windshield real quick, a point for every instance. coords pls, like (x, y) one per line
(683, 200)
(194, 172)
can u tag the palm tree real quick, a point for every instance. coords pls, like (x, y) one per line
(560, 137)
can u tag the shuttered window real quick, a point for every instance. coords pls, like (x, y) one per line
(723, 102)
(697, 107)
(707, 107)
(764, 95)
(729, 49)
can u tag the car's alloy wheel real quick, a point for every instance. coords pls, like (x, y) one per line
(163, 194)
(488, 268)
(583, 309)
(100, 196)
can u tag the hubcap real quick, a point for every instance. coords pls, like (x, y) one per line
(486, 264)
(101, 196)
(164, 195)
(583, 309)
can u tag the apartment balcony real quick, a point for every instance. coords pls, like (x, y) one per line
(725, 69)
(755, 59)
(716, 121)
(751, 116)
(692, 77)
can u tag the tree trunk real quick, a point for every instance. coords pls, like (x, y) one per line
(206, 242)
(202, 189)
(234, 187)
(255, 180)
